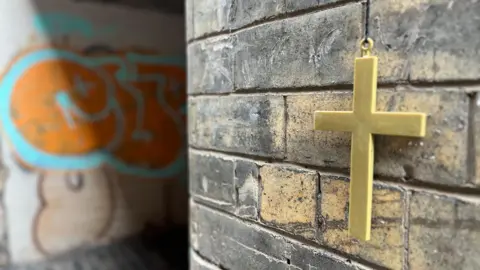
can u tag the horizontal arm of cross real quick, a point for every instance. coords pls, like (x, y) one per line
(398, 124)
(334, 121)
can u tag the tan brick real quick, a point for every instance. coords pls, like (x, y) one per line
(386, 244)
(288, 199)
(427, 40)
(440, 157)
(444, 233)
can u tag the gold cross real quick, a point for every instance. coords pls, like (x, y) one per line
(364, 121)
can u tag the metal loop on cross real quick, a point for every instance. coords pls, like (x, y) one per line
(366, 46)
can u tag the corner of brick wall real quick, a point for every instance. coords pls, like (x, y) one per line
(268, 192)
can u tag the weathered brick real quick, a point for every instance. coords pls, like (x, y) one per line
(241, 124)
(288, 199)
(294, 5)
(444, 233)
(210, 16)
(314, 49)
(189, 19)
(305, 257)
(233, 244)
(210, 65)
(238, 245)
(193, 228)
(197, 263)
(427, 40)
(387, 222)
(247, 187)
(440, 157)
(247, 11)
(211, 177)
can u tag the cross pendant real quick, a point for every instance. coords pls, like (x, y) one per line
(363, 122)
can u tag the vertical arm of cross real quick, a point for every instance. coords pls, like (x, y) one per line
(361, 181)
(361, 160)
(365, 86)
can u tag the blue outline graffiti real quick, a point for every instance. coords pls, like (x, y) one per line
(41, 159)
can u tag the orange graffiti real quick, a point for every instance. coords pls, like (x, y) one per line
(76, 104)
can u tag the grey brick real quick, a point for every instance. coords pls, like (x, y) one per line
(431, 40)
(247, 11)
(294, 5)
(197, 263)
(237, 245)
(210, 65)
(210, 16)
(212, 177)
(314, 49)
(247, 187)
(189, 19)
(227, 242)
(241, 124)
(305, 257)
(444, 233)
(440, 157)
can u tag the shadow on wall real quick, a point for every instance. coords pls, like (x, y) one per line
(92, 107)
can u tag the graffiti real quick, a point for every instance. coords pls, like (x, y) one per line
(125, 110)
(59, 199)
(82, 125)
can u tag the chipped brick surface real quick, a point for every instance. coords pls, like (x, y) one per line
(288, 198)
(387, 219)
(444, 233)
(427, 40)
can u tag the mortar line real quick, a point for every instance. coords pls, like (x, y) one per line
(429, 88)
(406, 231)
(204, 259)
(285, 126)
(467, 194)
(471, 141)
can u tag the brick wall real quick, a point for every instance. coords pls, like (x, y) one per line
(268, 192)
